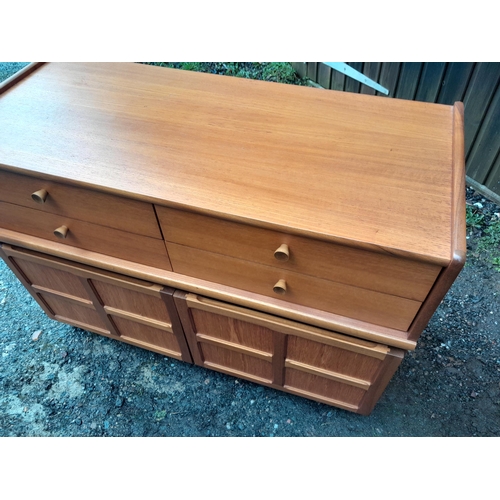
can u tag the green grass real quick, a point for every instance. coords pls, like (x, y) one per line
(281, 72)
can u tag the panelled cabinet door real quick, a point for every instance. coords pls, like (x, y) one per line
(130, 310)
(297, 358)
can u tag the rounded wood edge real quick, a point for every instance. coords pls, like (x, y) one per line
(458, 250)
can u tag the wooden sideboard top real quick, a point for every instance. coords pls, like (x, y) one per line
(366, 171)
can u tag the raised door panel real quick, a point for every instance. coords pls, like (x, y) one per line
(61, 294)
(327, 390)
(43, 277)
(127, 309)
(74, 313)
(311, 362)
(149, 305)
(148, 337)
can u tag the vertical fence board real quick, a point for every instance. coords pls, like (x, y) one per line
(408, 80)
(352, 85)
(455, 82)
(372, 71)
(430, 81)
(324, 75)
(487, 143)
(493, 180)
(482, 85)
(338, 80)
(389, 75)
(300, 68)
(312, 71)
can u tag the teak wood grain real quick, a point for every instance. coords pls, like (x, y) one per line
(367, 171)
(197, 303)
(100, 239)
(286, 355)
(360, 268)
(83, 204)
(362, 304)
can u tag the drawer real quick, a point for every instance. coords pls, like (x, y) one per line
(322, 365)
(358, 303)
(93, 237)
(351, 266)
(79, 203)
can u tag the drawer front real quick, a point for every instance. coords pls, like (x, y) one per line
(358, 303)
(78, 203)
(93, 237)
(322, 365)
(359, 268)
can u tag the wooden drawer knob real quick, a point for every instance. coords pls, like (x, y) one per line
(61, 232)
(282, 253)
(280, 287)
(39, 196)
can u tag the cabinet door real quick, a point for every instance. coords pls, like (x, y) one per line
(318, 364)
(117, 306)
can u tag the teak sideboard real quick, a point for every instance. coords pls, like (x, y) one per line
(295, 237)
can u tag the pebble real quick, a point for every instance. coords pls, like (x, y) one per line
(36, 335)
(106, 424)
(119, 402)
(228, 427)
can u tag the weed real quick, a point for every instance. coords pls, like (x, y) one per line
(490, 242)
(160, 415)
(496, 263)
(473, 218)
(491, 238)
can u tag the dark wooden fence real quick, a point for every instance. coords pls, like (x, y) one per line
(477, 85)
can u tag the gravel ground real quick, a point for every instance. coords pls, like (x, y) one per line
(70, 382)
